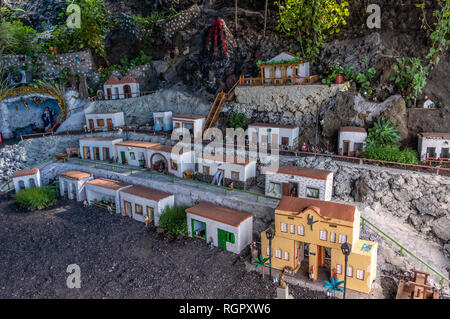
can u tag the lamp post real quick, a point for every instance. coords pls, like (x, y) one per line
(270, 235)
(346, 248)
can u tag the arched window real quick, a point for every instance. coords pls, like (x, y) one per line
(21, 185)
(32, 182)
(127, 91)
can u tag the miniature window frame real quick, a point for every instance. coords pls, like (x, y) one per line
(205, 170)
(235, 178)
(301, 230)
(314, 190)
(278, 253)
(275, 188)
(138, 211)
(292, 229)
(360, 274)
(332, 237)
(286, 255)
(323, 235)
(342, 238)
(132, 156)
(283, 228)
(349, 271)
(338, 269)
(269, 253)
(100, 122)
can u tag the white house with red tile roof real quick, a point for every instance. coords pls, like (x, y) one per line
(164, 158)
(139, 202)
(106, 191)
(134, 153)
(162, 120)
(99, 148)
(351, 140)
(26, 178)
(216, 169)
(434, 145)
(278, 67)
(299, 181)
(274, 134)
(72, 184)
(126, 87)
(226, 228)
(193, 123)
(104, 121)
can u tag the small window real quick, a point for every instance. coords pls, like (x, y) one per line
(301, 230)
(205, 170)
(333, 237)
(339, 269)
(359, 146)
(349, 271)
(286, 255)
(235, 176)
(230, 238)
(278, 253)
(342, 238)
(284, 227)
(323, 235)
(100, 122)
(292, 229)
(132, 156)
(138, 209)
(173, 165)
(312, 192)
(268, 251)
(360, 274)
(274, 189)
(177, 125)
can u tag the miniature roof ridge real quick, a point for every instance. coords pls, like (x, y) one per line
(115, 80)
(302, 171)
(138, 144)
(355, 129)
(107, 183)
(435, 135)
(145, 192)
(236, 160)
(218, 213)
(77, 175)
(325, 209)
(26, 172)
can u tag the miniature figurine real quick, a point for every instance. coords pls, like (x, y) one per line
(85, 203)
(48, 118)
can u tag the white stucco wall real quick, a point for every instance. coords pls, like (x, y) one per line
(100, 144)
(197, 125)
(439, 144)
(139, 154)
(117, 90)
(27, 181)
(291, 133)
(245, 172)
(94, 192)
(117, 119)
(78, 185)
(353, 137)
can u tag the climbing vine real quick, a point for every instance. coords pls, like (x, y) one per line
(311, 21)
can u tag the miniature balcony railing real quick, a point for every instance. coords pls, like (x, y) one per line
(289, 80)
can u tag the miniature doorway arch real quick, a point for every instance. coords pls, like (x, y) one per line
(158, 162)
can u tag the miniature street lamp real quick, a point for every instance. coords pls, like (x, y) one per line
(346, 248)
(270, 235)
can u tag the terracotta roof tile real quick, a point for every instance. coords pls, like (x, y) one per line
(326, 209)
(187, 116)
(445, 136)
(140, 144)
(302, 171)
(352, 129)
(220, 214)
(223, 159)
(112, 80)
(77, 175)
(107, 183)
(146, 192)
(26, 172)
(128, 79)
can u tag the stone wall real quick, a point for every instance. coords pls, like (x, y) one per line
(180, 21)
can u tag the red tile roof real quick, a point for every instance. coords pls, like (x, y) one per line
(77, 175)
(140, 144)
(326, 209)
(112, 80)
(26, 172)
(302, 171)
(108, 183)
(352, 129)
(146, 192)
(223, 159)
(220, 214)
(115, 81)
(445, 136)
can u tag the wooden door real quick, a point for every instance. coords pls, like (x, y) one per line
(285, 141)
(346, 148)
(96, 153)
(128, 209)
(286, 189)
(109, 94)
(86, 152)
(150, 213)
(105, 153)
(127, 91)
(109, 124)
(91, 125)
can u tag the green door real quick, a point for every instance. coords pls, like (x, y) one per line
(223, 237)
(124, 158)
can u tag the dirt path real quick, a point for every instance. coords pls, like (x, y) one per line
(118, 259)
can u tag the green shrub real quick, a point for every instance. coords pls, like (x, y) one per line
(174, 222)
(35, 197)
(17, 38)
(383, 133)
(391, 153)
(238, 120)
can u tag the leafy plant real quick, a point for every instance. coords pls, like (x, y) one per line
(382, 134)
(238, 120)
(262, 262)
(411, 77)
(173, 220)
(17, 38)
(335, 70)
(391, 153)
(36, 197)
(311, 21)
(334, 285)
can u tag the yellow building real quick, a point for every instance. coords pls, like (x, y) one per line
(322, 225)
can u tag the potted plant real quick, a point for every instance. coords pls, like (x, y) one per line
(338, 72)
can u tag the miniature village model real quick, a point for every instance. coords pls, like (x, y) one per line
(210, 150)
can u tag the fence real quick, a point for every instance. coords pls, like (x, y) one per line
(403, 249)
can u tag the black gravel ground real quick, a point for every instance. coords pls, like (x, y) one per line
(118, 258)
